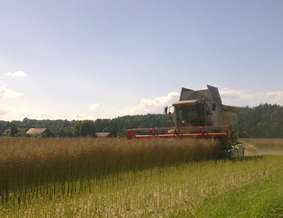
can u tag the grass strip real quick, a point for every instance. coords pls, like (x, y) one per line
(264, 198)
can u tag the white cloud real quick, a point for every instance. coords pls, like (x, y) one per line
(4, 109)
(234, 94)
(151, 105)
(16, 74)
(79, 115)
(230, 95)
(11, 113)
(7, 93)
(29, 112)
(275, 97)
(95, 107)
(45, 113)
(26, 111)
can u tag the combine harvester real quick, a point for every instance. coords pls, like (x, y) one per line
(199, 114)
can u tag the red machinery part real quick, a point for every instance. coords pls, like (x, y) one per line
(198, 132)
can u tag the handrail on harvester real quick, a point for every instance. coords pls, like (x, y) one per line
(192, 131)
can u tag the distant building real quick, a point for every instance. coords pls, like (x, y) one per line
(40, 131)
(104, 135)
(6, 132)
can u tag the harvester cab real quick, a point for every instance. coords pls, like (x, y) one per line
(203, 108)
(190, 113)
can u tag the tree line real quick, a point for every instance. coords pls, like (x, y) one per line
(263, 121)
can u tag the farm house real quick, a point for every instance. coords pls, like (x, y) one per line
(40, 131)
(6, 132)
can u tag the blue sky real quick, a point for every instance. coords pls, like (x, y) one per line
(103, 59)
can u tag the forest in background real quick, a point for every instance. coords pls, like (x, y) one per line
(263, 121)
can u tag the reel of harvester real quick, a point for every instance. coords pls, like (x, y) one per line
(224, 131)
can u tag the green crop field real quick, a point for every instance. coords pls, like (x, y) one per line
(89, 177)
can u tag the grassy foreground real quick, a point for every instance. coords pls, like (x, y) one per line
(264, 198)
(177, 187)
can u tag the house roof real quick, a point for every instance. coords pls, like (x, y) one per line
(7, 131)
(36, 130)
(103, 134)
